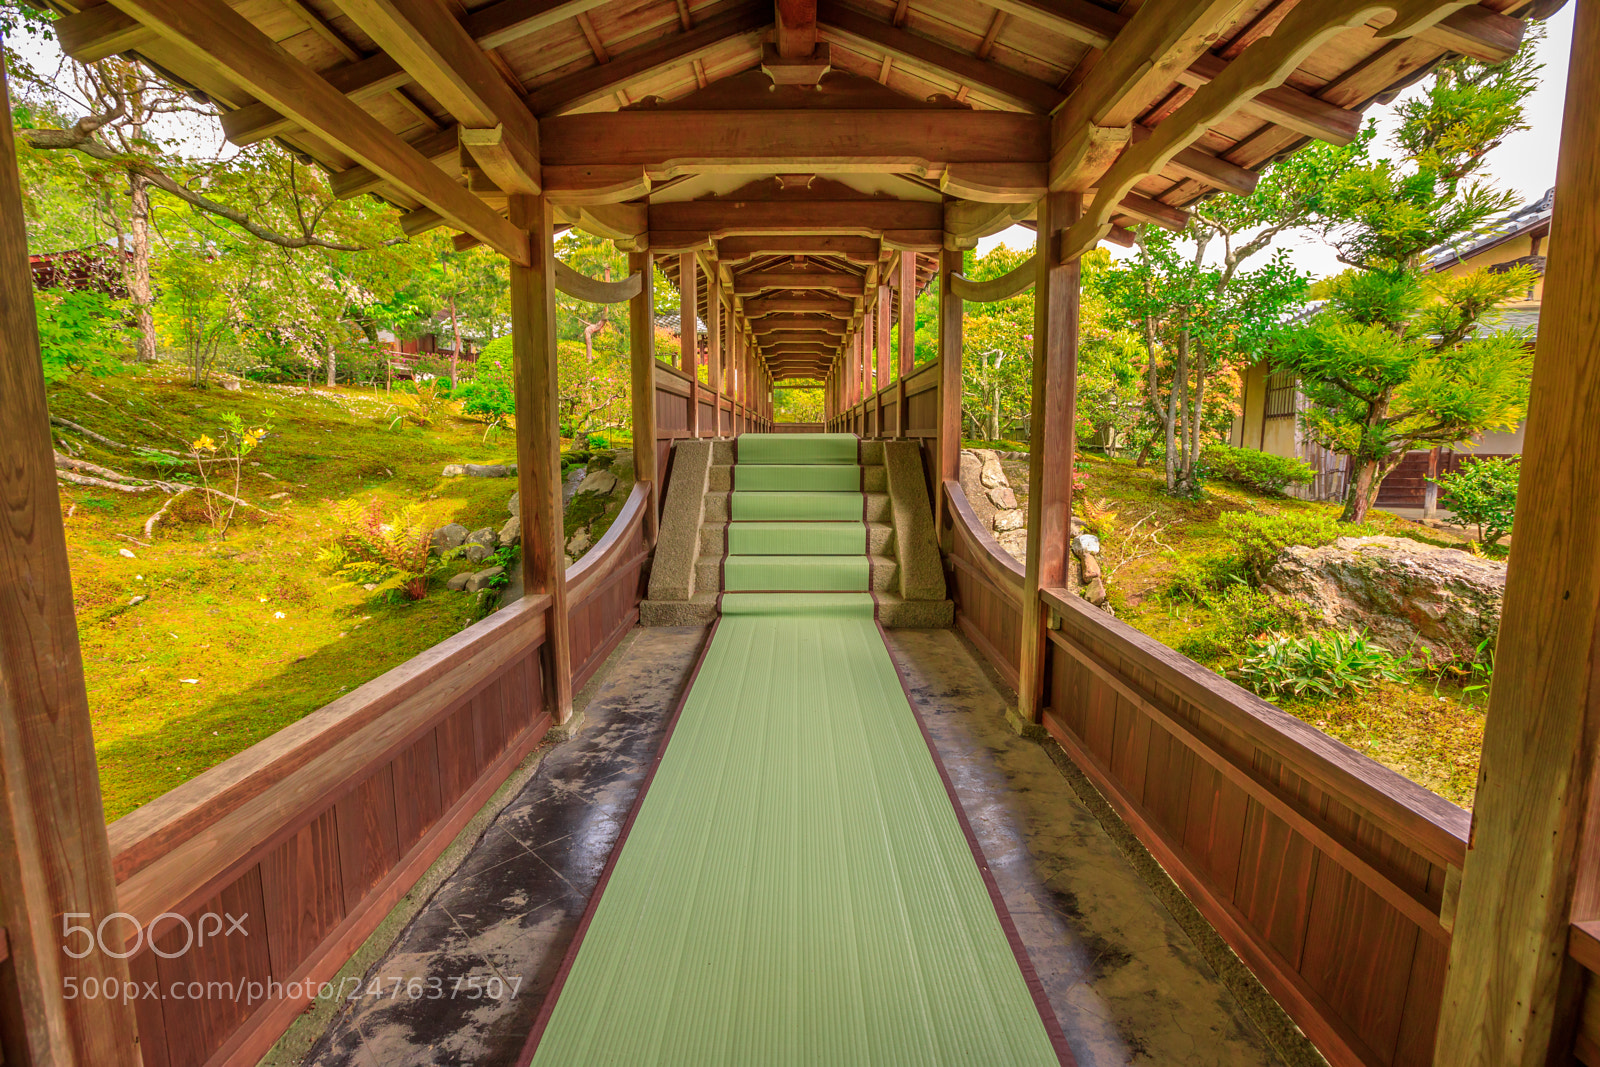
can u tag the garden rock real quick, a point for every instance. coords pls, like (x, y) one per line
(481, 579)
(578, 543)
(477, 553)
(454, 470)
(458, 582)
(448, 537)
(511, 532)
(992, 475)
(491, 470)
(602, 482)
(569, 488)
(971, 477)
(1010, 520)
(1002, 497)
(515, 504)
(1412, 598)
(484, 535)
(126, 553)
(1085, 543)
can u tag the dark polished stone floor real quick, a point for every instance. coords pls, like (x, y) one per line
(1125, 980)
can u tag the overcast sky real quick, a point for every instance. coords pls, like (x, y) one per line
(1525, 163)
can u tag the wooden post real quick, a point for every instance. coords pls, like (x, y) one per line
(533, 346)
(1430, 490)
(1050, 441)
(908, 338)
(949, 382)
(688, 351)
(714, 349)
(642, 355)
(55, 862)
(885, 325)
(1511, 993)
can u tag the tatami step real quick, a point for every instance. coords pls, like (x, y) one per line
(874, 478)
(717, 504)
(708, 573)
(713, 539)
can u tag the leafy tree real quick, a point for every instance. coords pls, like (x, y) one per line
(1110, 383)
(1197, 320)
(1401, 360)
(996, 350)
(796, 405)
(80, 331)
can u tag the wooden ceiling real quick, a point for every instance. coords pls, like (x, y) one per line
(798, 149)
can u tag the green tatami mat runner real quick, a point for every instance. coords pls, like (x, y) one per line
(790, 478)
(796, 448)
(841, 574)
(795, 888)
(797, 538)
(800, 507)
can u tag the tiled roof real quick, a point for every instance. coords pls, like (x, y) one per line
(1491, 233)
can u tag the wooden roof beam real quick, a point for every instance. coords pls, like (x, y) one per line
(603, 79)
(427, 39)
(1157, 43)
(762, 281)
(780, 323)
(815, 303)
(1263, 65)
(1014, 88)
(211, 32)
(913, 141)
(796, 216)
(438, 146)
(1280, 104)
(853, 249)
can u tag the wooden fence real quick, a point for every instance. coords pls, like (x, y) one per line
(1333, 877)
(677, 395)
(300, 845)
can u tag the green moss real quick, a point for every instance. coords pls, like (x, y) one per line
(211, 613)
(1174, 564)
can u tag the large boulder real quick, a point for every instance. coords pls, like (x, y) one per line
(1413, 598)
(601, 481)
(973, 462)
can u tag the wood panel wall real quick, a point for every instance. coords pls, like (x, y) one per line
(1325, 871)
(313, 835)
(1330, 875)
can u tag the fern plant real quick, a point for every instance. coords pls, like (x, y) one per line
(386, 555)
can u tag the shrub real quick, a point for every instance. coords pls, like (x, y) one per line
(1199, 579)
(80, 330)
(389, 556)
(1261, 537)
(1482, 494)
(1317, 665)
(1262, 471)
(1240, 614)
(426, 401)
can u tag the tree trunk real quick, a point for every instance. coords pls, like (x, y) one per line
(138, 269)
(333, 371)
(455, 343)
(994, 415)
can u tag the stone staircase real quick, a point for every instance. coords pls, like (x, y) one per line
(686, 577)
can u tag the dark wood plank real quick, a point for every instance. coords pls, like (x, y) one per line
(369, 846)
(302, 892)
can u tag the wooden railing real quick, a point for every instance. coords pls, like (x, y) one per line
(1333, 877)
(879, 415)
(603, 588)
(300, 845)
(676, 395)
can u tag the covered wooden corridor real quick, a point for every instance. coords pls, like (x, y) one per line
(801, 171)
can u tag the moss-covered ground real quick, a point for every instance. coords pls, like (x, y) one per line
(1428, 730)
(244, 633)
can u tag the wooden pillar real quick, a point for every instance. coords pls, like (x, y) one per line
(642, 357)
(1050, 440)
(688, 316)
(714, 349)
(908, 338)
(949, 382)
(885, 322)
(1511, 992)
(1430, 488)
(55, 861)
(533, 346)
